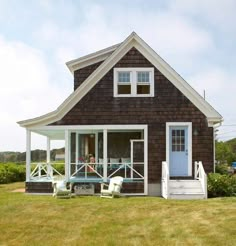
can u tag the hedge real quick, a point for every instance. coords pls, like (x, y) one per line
(12, 172)
(221, 185)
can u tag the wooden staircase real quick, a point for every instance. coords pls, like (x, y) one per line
(184, 189)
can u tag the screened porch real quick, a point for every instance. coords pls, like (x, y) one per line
(93, 154)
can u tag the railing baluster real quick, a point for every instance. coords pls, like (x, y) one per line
(165, 180)
(201, 176)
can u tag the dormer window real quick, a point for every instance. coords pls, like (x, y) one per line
(133, 82)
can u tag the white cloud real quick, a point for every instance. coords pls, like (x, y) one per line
(25, 91)
(166, 31)
(220, 14)
(220, 87)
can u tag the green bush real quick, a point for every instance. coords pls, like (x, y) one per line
(222, 168)
(11, 173)
(221, 185)
(60, 168)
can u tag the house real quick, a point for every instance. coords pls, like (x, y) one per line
(59, 157)
(137, 118)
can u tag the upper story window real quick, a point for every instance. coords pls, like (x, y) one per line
(133, 82)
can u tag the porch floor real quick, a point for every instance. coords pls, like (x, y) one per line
(82, 180)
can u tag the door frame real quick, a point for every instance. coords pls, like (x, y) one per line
(189, 127)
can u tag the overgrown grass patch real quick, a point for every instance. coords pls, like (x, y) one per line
(43, 220)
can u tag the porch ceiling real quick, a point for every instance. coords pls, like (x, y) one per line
(52, 134)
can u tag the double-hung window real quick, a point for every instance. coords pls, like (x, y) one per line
(133, 82)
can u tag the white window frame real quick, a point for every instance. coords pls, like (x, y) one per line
(133, 81)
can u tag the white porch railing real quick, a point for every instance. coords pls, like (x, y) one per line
(128, 170)
(132, 171)
(85, 170)
(44, 171)
(201, 176)
(165, 180)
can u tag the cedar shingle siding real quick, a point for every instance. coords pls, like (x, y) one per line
(169, 105)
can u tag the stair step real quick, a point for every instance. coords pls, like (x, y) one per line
(185, 184)
(186, 193)
(185, 189)
(188, 196)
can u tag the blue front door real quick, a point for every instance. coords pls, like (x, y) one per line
(178, 150)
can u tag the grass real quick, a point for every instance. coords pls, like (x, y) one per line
(43, 220)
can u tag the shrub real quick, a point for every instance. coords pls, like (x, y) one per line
(222, 168)
(221, 185)
(11, 173)
(60, 168)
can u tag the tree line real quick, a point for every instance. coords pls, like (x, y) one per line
(36, 155)
(226, 152)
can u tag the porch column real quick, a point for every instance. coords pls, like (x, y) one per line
(49, 169)
(76, 150)
(67, 174)
(105, 155)
(48, 150)
(146, 160)
(28, 154)
(96, 147)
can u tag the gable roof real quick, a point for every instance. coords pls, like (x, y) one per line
(112, 55)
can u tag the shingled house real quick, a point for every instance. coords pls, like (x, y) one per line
(139, 119)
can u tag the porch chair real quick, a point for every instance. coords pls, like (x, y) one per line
(60, 189)
(113, 189)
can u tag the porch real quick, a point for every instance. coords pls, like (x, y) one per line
(93, 154)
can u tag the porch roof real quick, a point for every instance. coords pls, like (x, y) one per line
(58, 132)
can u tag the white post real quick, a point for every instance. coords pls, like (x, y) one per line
(48, 150)
(49, 169)
(96, 147)
(105, 155)
(28, 154)
(67, 155)
(132, 157)
(146, 160)
(214, 150)
(76, 151)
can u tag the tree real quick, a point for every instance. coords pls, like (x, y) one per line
(224, 153)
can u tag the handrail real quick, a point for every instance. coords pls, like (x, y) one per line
(201, 176)
(165, 180)
(47, 169)
(118, 167)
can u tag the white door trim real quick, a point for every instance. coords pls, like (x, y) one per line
(186, 124)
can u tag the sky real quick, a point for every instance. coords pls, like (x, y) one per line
(197, 38)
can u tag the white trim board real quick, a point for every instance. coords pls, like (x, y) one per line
(189, 125)
(131, 41)
(90, 59)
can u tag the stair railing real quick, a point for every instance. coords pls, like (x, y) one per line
(201, 176)
(165, 180)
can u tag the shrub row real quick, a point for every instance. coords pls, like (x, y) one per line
(221, 185)
(12, 172)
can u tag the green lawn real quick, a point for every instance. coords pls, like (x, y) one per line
(44, 220)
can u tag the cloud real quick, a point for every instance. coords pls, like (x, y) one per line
(26, 90)
(169, 32)
(218, 14)
(220, 87)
